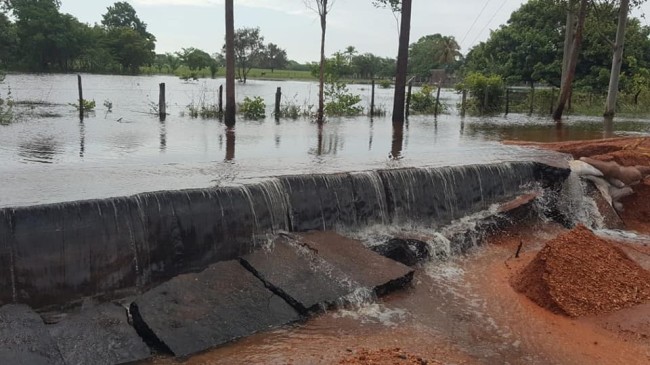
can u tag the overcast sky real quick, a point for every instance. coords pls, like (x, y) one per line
(289, 24)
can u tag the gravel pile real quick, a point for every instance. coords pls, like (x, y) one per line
(579, 274)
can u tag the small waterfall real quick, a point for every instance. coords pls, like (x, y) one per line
(438, 196)
(574, 203)
(52, 254)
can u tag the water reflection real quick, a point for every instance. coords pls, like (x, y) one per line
(230, 144)
(397, 143)
(82, 139)
(370, 134)
(609, 127)
(327, 143)
(163, 134)
(40, 149)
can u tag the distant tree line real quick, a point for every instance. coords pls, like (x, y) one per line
(43, 39)
(528, 49)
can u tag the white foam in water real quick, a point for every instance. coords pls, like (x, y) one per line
(374, 313)
(576, 205)
(449, 272)
(624, 236)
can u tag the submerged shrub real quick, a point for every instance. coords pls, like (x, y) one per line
(485, 92)
(252, 108)
(339, 101)
(424, 102)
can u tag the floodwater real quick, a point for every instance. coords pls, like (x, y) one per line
(48, 155)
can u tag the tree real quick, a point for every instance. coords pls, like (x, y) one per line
(274, 57)
(402, 56)
(249, 48)
(229, 116)
(130, 49)
(617, 59)
(128, 39)
(38, 24)
(526, 49)
(195, 59)
(431, 52)
(122, 14)
(8, 41)
(350, 52)
(322, 8)
(567, 86)
(367, 65)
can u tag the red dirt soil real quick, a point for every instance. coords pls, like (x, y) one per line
(580, 274)
(386, 357)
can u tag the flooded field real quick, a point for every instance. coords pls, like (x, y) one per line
(48, 155)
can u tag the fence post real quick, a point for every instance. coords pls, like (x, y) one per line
(507, 100)
(408, 99)
(278, 98)
(486, 99)
(162, 103)
(532, 98)
(462, 103)
(220, 99)
(81, 98)
(372, 99)
(435, 110)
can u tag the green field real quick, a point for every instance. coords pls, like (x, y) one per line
(255, 73)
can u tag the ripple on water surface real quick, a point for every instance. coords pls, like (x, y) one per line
(49, 155)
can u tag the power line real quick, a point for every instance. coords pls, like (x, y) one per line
(490, 21)
(475, 20)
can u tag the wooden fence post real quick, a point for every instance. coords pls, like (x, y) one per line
(372, 99)
(532, 98)
(463, 102)
(278, 98)
(162, 103)
(220, 99)
(81, 98)
(435, 110)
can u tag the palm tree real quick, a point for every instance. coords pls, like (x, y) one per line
(350, 52)
(449, 50)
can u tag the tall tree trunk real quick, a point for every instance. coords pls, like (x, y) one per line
(569, 33)
(565, 91)
(402, 63)
(229, 117)
(321, 75)
(617, 59)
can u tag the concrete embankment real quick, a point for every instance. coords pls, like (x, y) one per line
(60, 253)
(221, 277)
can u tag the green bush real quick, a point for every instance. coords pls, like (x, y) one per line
(424, 102)
(384, 84)
(339, 101)
(88, 105)
(254, 108)
(485, 92)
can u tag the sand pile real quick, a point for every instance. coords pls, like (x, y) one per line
(579, 274)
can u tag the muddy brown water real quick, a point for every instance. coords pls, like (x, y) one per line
(461, 311)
